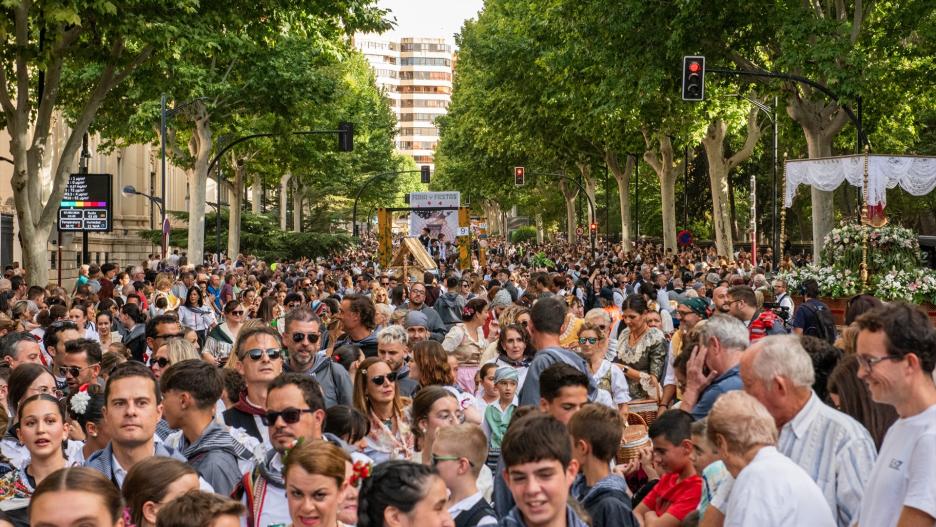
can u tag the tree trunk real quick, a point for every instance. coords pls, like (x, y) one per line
(589, 183)
(623, 178)
(821, 122)
(538, 219)
(660, 158)
(719, 170)
(234, 209)
(569, 192)
(297, 207)
(256, 194)
(284, 198)
(200, 150)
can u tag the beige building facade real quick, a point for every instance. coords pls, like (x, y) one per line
(137, 165)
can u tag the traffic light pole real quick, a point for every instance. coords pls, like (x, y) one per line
(360, 190)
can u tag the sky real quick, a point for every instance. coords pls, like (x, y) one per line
(430, 18)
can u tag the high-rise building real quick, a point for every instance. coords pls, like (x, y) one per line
(416, 77)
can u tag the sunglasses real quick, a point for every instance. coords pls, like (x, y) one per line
(312, 337)
(257, 353)
(161, 361)
(290, 416)
(74, 371)
(437, 459)
(293, 305)
(170, 336)
(379, 380)
(590, 340)
(237, 313)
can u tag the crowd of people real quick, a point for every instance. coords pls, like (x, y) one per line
(545, 386)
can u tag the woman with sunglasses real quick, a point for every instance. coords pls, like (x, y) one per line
(315, 477)
(593, 344)
(375, 394)
(43, 430)
(175, 350)
(221, 338)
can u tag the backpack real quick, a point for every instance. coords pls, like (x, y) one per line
(825, 326)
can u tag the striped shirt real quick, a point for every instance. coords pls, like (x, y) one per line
(835, 450)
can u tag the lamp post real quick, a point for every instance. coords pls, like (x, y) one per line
(130, 190)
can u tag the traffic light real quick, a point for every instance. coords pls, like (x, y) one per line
(345, 137)
(593, 228)
(693, 78)
(519, 176)
(424, 173)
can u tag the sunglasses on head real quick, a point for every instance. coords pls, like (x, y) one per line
(312, 337)
(379, 380)
(290, 416)
(257, 353)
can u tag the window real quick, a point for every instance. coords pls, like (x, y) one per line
(430, 131)
(425, 75)
(425, 61)
(410, 117)
(423, 103)
(444, 90)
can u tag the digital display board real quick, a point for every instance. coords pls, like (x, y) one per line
(86, 205)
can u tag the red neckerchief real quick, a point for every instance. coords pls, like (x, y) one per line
(246, 407)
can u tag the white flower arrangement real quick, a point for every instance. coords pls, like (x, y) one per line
(79, 402)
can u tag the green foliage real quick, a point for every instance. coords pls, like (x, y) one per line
(260, 236)
(523, 234)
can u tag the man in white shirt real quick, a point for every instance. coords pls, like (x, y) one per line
(835, 450)
(769, 489)
(783, 298)
(896, 351)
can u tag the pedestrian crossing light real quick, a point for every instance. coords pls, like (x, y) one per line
(519, 176)
(424, 174)
(693, 80)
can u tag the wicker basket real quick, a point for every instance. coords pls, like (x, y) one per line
(647, 408)
(634, 438)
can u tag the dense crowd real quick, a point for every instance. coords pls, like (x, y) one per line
(547, 385)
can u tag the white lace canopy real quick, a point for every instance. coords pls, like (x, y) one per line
(914, 174)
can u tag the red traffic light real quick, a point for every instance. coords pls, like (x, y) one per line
(593, 226)
(695, 67)
(519, 176)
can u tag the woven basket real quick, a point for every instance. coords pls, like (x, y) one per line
(647, 408)
(633, 439)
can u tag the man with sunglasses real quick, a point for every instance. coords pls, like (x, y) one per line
(260, 360)
(301, 339)
(897, 353)
(81, 364)
(295, 411)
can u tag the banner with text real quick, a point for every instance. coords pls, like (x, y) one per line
(437, 221)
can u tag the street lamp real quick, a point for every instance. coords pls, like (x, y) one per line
(130, 190)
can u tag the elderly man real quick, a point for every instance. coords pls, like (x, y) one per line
(769, 489)
(722, 340)
(897, 354)
(835, 450)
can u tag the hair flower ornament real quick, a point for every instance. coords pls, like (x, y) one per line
(79, 401)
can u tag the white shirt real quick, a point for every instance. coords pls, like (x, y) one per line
(903, 475)
(773, 491)
(619, 392)
(119, 472)
(835, 450)
(467, 504)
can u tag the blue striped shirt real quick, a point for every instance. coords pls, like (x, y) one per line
(835, 450)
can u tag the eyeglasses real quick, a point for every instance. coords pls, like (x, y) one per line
(237, 313)
(65, 371)
(45, 390)
(437, 459)
(379, 380)
(257, 353)
(293, 305)
(162, 362)
(680, 313)
(172, 336)
(312, 337)
(384, 284)
(868, 363)
(290, 416)
(590, 340)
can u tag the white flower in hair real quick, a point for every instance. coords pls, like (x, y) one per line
(79, 402)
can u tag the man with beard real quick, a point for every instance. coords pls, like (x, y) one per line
(392, 348)
(295, 411)
(301, 336)
(721, 300)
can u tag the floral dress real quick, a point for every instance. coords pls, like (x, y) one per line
(647, 356)
(389, 440)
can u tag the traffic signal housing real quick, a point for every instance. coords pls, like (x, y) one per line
(693, 80)
(593, 228)
(345, 137)
(424, 174)
(519, 176)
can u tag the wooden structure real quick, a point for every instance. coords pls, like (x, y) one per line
(411, 258)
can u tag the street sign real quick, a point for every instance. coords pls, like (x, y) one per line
(86, 205)
(579, 231)
(463, 231)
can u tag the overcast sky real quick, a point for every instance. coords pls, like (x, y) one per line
(430, 18)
